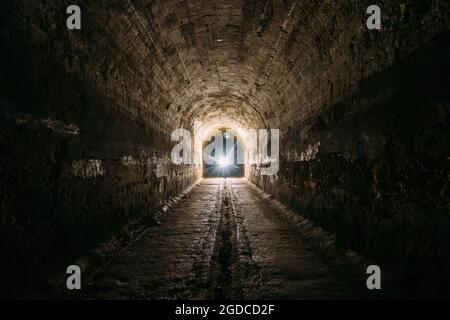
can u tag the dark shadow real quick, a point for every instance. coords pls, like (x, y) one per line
(231, 165)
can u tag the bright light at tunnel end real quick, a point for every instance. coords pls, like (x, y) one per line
(190, 150)
(224, 162)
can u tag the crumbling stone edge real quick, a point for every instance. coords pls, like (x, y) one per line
(105, 253)
(323, 242)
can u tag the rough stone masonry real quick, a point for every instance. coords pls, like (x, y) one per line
(86, 117)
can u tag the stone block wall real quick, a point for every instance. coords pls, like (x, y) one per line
(83, 148)
(374, 167)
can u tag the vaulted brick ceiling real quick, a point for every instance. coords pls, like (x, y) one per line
(250, 62)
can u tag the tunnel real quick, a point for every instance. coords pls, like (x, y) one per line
(353, 173)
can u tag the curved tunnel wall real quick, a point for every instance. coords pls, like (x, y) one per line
(373, 168)
(87, 115)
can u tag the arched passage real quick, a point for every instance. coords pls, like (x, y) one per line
(86, 120)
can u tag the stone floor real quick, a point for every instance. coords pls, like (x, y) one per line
(229, 240)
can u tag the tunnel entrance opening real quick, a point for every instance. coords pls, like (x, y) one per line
(223, 154)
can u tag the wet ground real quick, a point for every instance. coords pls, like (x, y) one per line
(229, 240)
